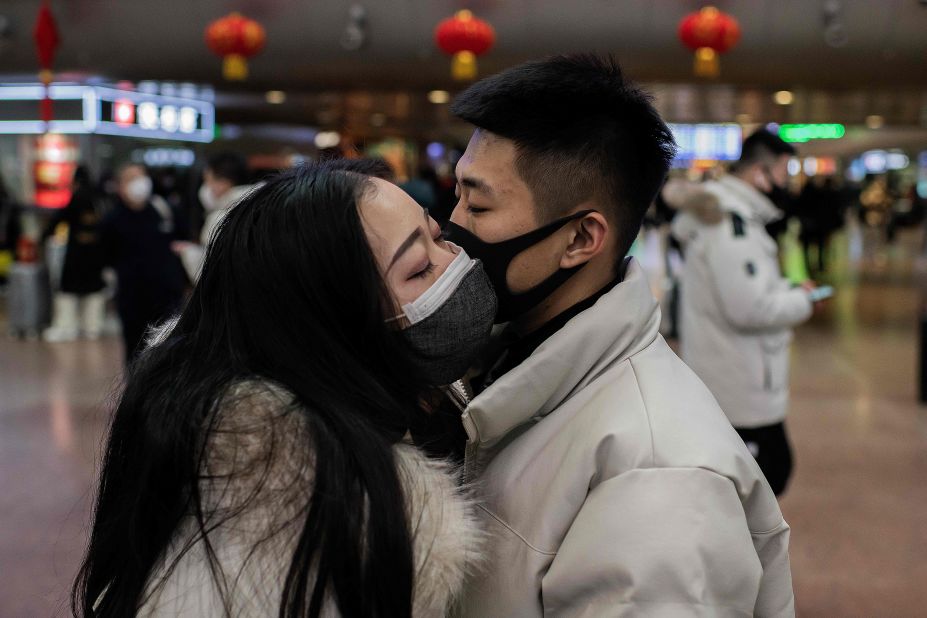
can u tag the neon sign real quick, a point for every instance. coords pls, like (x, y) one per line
(801, 133)
(107, 111)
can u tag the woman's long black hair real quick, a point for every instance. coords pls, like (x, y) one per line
(290, 293)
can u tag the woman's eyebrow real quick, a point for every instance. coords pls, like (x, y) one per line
(408, 242)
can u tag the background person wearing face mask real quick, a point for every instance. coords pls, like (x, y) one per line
(611, 482)
(737, 311)
(137, 236)
(225, 183)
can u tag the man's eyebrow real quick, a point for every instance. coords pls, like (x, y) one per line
(408, 242)
(476, 183)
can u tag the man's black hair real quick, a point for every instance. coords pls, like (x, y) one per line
(763, 147)
(230, 166)
(582, 131)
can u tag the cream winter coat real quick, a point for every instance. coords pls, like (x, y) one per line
(254, 416)
(736, 309)
(613, 485)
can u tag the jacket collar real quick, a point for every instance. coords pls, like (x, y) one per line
(622, 322)
(748, 203)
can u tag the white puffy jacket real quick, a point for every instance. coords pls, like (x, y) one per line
(613, 485)
(736, 309)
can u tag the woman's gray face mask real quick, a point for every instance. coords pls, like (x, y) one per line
(451, 322)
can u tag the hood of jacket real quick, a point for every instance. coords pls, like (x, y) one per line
(622, 322)
(735, 195)
(708, 206)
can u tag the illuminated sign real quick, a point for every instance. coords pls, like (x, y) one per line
(716, 142)
(106, 111)
(165, 157)
(124, 113)
(880, 161)
(803, 132)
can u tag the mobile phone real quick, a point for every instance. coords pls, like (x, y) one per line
(819, 294)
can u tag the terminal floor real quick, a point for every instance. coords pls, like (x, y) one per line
(857, 504)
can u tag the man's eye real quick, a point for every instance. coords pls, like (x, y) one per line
(475, 210)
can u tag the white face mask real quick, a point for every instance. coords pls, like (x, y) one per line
(440, 291)
(139, 189)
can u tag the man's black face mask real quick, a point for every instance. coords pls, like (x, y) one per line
(498, 256)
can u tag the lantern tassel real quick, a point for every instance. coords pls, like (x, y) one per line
(463, 66)
(235, 67)
(707, 63)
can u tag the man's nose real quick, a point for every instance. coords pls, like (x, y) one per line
(457, 215)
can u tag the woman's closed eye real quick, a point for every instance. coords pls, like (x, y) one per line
(424, 272)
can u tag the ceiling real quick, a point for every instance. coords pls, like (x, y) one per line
(380, 88)
(783, 43)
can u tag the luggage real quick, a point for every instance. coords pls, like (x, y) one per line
(28, 299)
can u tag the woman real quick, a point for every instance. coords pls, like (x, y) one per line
(256, 462)
(82, 274)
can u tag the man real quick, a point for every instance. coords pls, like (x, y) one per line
(225, 183)
(610, 481)
(137, 236)
(737, 310)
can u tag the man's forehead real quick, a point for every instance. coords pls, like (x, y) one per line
(489, 158)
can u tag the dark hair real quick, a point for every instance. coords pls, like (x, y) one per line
(230, 166)
(763, 147)
(581, 131)
(372, 166)
(127, 165)
(290, 294)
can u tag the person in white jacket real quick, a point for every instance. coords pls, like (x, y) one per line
(225, 183)
(737, 311)
(611, 482)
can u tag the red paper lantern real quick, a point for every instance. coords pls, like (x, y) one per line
(709, 33)
(236, 38)
(464, 37)
(46, 43)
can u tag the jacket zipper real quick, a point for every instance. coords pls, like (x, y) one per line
(459, 396)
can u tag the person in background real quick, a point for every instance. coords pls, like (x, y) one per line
(737, 311)
(820, 209)
(10, 229)
(79, 304)
(225, 183)
(137, 236)
(611, 482)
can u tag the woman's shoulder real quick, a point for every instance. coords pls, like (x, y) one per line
(258, 447)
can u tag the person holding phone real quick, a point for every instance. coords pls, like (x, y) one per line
(737, 310)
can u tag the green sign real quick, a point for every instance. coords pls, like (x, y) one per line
(805, 132)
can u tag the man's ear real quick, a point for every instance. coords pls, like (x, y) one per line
(588, 239)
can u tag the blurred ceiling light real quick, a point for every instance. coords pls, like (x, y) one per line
(794, 167)
(875, 121)
(439, 97)
(784, 97)
(275, 97)
(327, 139)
